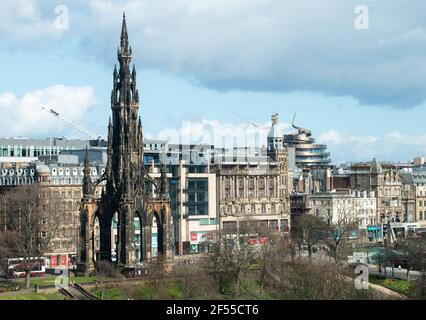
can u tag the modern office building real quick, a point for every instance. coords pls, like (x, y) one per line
(26, 150)
(308, 154)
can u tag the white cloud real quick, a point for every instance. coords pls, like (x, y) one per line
(331, 136)
(220, 134)
(23, 116)
(27, 23)
(345, 147)
(268, 45)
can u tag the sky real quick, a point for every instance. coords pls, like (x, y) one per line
(353, 72)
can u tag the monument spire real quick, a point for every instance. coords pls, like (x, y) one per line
(124, 34)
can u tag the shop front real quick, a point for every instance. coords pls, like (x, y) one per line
(200, 241)
(374, 232)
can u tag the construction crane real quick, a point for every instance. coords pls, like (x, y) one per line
(248, 121)
(85, 132)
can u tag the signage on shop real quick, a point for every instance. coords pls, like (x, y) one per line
(200, 237)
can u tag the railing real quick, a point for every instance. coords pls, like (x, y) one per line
(66, 293)
(84, 292)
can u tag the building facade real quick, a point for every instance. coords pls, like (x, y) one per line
(256, 195)
(347, 206)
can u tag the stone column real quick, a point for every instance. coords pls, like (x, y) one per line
(166, 225)
(86, 263)
(146, 246)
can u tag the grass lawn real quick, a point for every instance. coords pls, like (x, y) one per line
(33, 296)
(141, 291)
(109, 293)
(398, 285)
(49, 280)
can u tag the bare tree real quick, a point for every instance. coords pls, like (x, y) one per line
(105, 272)
(194, 278)
(414, 253)
(320, 281)
(311, 229)
(155, 277)
(32, 220)
(230, 259)
(7, 238)
(341, 221)
(419, 287)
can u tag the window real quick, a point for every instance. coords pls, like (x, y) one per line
(204, 221)
(198, 196)
(251, 183)
(284, 225)
(240, 193)
(230, 226)
(227, 194)
(273, 224)
(227, 183)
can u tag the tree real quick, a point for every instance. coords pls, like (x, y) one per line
(320, 281)
(187, 274)
(386, 257)
(229, 260)
(155, 277)
(32, 219)
(311, 229)
(194, 278)
(419, 287)
(7, 239)
(105, 271)
(341, 221)
(413, 252)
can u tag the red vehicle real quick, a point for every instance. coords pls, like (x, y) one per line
(135, 272)
(16, 267)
